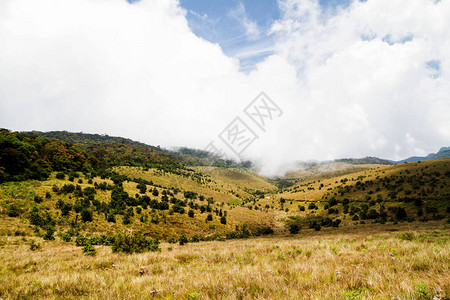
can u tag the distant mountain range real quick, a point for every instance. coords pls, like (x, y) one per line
(442, 153)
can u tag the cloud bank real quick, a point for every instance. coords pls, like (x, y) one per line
(370, 79)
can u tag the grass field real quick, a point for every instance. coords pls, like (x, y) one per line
(407, 261)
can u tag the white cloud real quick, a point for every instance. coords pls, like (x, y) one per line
(138, 71)
(251, 27)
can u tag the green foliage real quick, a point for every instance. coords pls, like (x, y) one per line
(209, 217)
(312, 206)
(38, 199)
(60, 175)
(89, 250)
(134, 243)
(23, 156)
(294, 228)
(126, 220)
(191, 213)
(182, 239)
(223, 220)
(34, 246)
(86, 215)
(406, 236)
(422, 289)
(13, 210)
(49, 231)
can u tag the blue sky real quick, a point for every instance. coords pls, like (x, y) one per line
(227, 22)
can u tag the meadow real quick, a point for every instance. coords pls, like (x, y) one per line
(407, 261)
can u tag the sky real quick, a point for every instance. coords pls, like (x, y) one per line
(340, 78)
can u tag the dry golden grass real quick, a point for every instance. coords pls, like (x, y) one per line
(369, 262)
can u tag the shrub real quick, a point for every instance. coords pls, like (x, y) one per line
(209, 217)
(13, 211)
(86, 215)
(332, 202)
(406, 236)
(35, 217)
(66, 236)
(223, 220)
(336, 223)
(126, 220)
(194, 239)
(134, 243)
(294, 228)
(172, 240)
(89, 250)
(60, 175)
(38, 199)
(34, 246)
(49, 231)
(191, 213)
(182, 239)
(48, 195)
(65, 209)
(111, 218)
(301, 208)
(312, 206)
(317, 227)
(264, 230)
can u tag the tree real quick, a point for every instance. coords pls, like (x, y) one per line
(223, 220)
(294, 228)
(191, 213)
(142, 188)
(86, 215)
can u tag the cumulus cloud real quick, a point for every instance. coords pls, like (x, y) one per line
(368, 79)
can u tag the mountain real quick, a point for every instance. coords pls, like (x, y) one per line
(442, 153)
(369, 160)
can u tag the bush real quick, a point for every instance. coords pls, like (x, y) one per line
(86, 215)
(134, 243)
(111, 218)
(38, 199)
(264, 230)
(332, 202)
(48, 195)
(126, 220)
(172, 240)
(13, 211)
(35, 217)
(223, 220)
(60, 175)
(317, 227)
(50, 230)
(209, 217)
(406, 236)
(89, 250)
(336, 223)
(191, 213)
(182, 239)
(301, 208)
(34, 246)
(312, 206)
(65, 209)
(294, 228)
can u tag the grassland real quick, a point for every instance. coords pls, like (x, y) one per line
(385, 257)
(406, 261)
